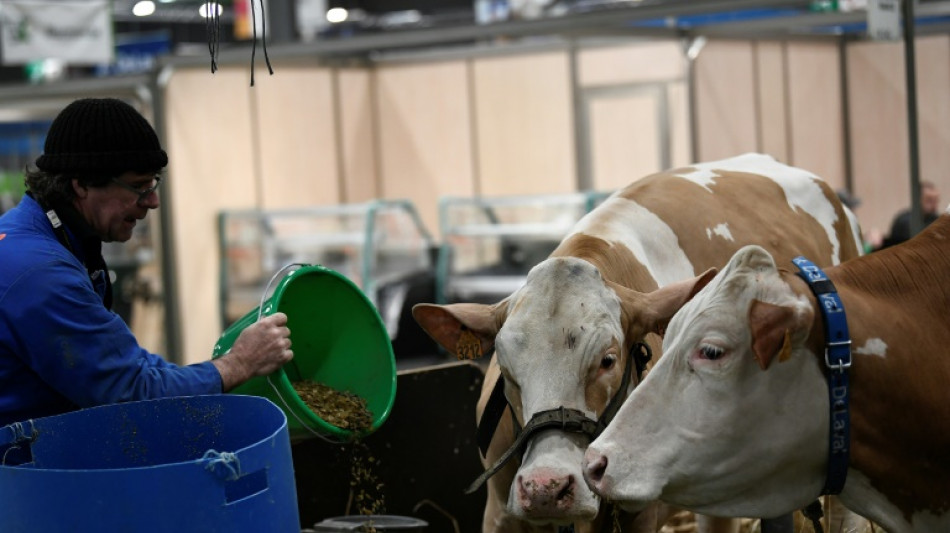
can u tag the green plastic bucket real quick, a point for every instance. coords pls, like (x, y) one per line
(338, 339)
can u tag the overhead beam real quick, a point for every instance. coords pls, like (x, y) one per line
(623, 18)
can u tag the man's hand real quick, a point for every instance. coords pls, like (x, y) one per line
(262, 348)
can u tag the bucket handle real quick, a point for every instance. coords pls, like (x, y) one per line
(17, 436)
(260, 314)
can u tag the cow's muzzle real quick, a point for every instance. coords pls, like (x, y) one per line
(570, 420)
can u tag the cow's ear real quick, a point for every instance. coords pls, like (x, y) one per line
(771, 327)
(664, 302)
(466, 330)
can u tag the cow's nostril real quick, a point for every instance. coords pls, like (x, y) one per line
(567, 491)
(595, 469)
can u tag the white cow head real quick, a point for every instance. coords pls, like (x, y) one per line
(733, 419)
(560, 341)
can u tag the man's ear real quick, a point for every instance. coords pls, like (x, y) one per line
(80, 190)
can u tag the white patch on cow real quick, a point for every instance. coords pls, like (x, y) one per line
(705, 174)
(859, 492)
(654, 243)
(873, 346)
(721, 230)
(855, 228)
(801, 194)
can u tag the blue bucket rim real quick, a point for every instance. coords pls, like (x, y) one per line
(243, 397)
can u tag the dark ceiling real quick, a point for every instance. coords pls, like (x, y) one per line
(451, 22)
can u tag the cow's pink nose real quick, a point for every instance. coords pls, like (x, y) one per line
(546, 494)
(594, 469)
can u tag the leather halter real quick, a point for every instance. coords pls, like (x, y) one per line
(562, 418)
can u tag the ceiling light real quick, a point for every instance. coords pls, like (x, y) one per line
(337, 14)
(210, 9)
(143, 8)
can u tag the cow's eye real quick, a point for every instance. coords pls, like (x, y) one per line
(608, 361)
(710, 352)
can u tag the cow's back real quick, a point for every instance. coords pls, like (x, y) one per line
(678, 223)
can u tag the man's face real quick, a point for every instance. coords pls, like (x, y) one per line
(114, 210)
(929, 200)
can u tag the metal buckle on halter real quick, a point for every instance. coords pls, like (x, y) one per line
(842, 365)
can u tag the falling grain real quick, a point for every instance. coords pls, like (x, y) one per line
(346, 410)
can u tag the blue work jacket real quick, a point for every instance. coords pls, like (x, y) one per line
(60, 347)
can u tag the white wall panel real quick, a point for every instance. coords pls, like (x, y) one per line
(771, 99)
(525, 124)
(357, 135)
(626, 138)
(816, 110)
(211, 162)
(425, 134)
(296, 138)
(725, 100)
(631, 63)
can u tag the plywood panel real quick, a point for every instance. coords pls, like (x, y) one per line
(631, 63)
(878, 125)
(525, 125)
(296, 138)
(815, 110)
(425, 134)
(625, 139)
(933, 93)
(770, 83)
(681, 152)
(878, 109)
(357, 135)
(211, 162)
(725, 100)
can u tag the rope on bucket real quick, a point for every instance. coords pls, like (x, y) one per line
(260, 314)
(228, 460)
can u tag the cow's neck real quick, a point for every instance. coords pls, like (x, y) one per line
(898, 391)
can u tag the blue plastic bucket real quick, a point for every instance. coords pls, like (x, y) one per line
(218, 463)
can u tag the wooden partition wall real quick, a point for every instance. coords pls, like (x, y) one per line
(634, 112)
(524, 123)
(425, 134)
(588, 117)
(878, 124)
(211, 168)
(783, 99)
(838, 110)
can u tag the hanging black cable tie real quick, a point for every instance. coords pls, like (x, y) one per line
(263, 39)
(212, 27)
(253, 37)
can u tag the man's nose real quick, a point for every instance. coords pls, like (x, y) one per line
(152, 201)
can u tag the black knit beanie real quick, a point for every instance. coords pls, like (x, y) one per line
(105, 135)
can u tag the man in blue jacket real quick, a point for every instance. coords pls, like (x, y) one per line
(61, 347)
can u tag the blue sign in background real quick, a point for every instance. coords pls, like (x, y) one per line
(137, 53)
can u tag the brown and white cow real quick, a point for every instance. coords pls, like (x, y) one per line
(562, 339)
(734, 419)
